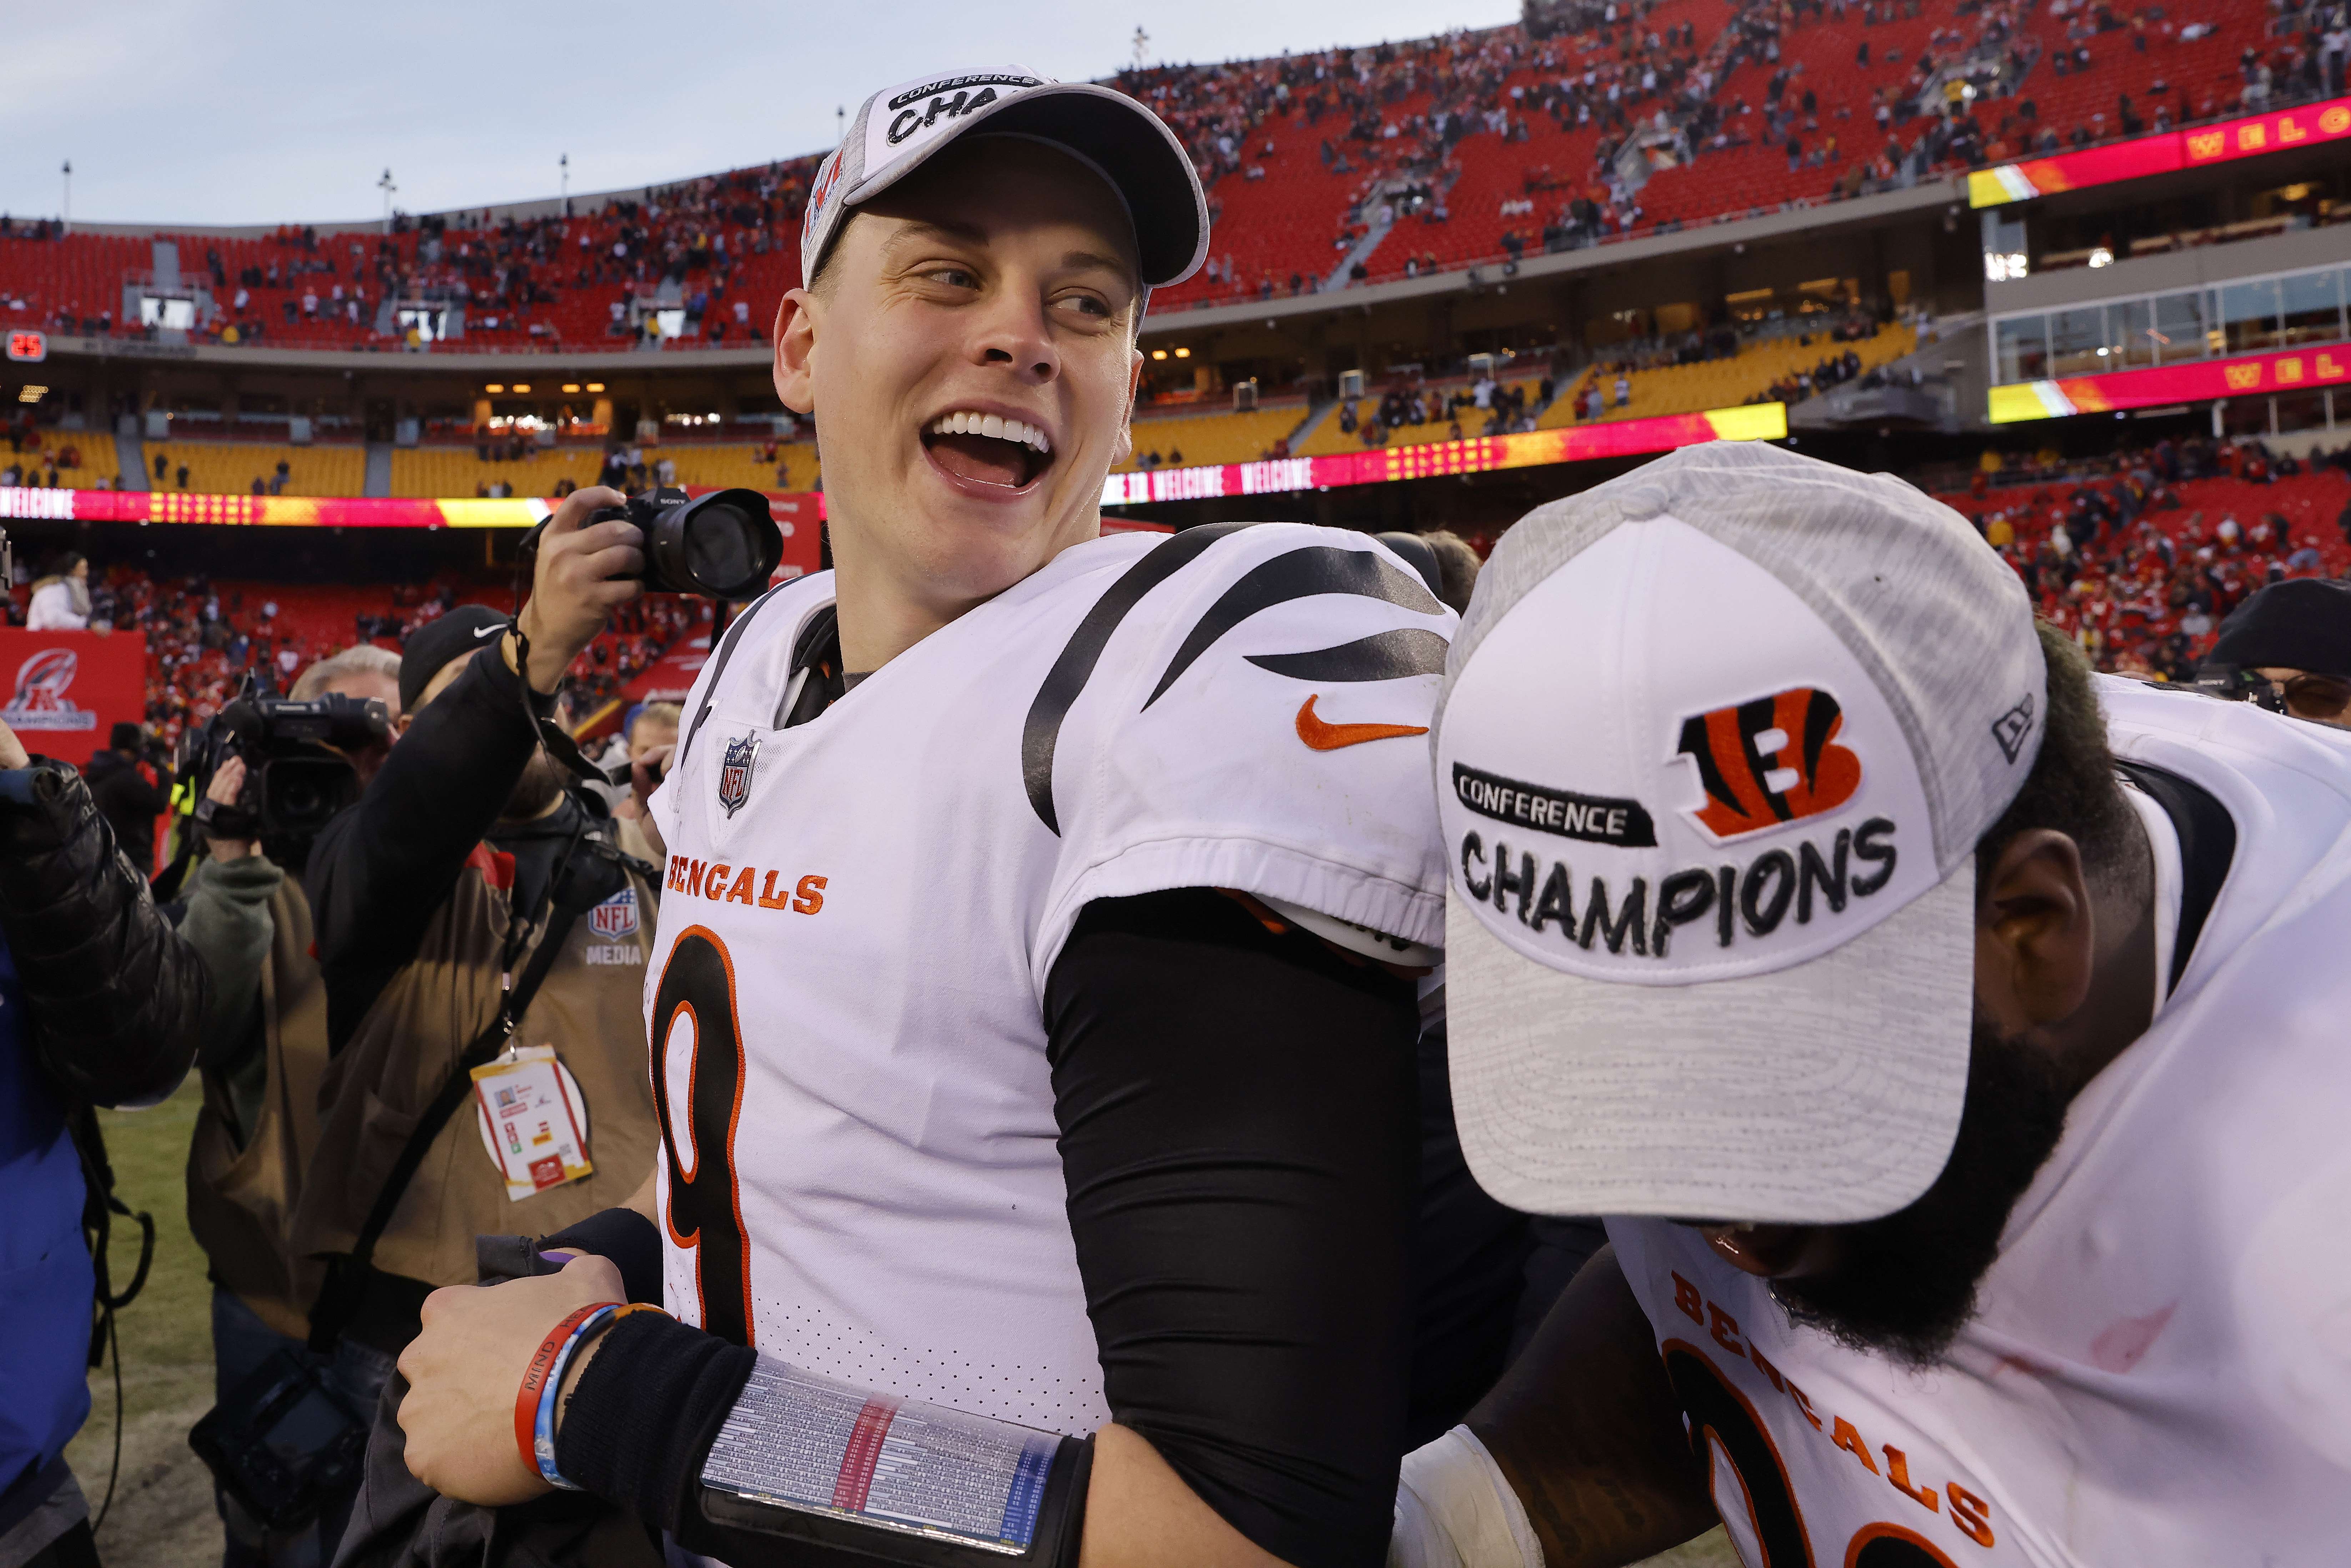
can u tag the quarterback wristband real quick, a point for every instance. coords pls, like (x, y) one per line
(813, 1461)
(536, 1379)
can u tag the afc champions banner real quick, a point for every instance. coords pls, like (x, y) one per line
(64, 690)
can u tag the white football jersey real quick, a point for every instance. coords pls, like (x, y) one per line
(2161, 1371)
(862, 912)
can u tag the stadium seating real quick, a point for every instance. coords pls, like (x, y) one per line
(2123, 597)
(459, 471)
(734, 463)
(80, 458)
(1327, 439)
(535, 286)
(230, 467)
(1224, 438)
(1285, 217)
(1746, 377)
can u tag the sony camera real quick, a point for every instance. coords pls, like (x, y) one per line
(298, 768)
(725, 545)
(2230, 684)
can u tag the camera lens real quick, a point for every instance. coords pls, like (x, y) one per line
(719, 544)
(725, 545)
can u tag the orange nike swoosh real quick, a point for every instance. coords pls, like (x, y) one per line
(1323, 735)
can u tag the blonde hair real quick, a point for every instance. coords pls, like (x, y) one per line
(360, 659)
(670, 714)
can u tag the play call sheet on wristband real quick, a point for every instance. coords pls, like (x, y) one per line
(809, 1442)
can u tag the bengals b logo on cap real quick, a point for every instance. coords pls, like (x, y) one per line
(1770, 760)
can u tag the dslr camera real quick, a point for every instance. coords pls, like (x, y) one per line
(724, 546)
(298, 771)
(2230, 684)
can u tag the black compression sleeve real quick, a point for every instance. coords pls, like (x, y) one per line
(1239, 1134)
(640, 1420)
(626, 1239)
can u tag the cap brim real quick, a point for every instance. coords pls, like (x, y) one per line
(1132, 147)
(1826, 1093)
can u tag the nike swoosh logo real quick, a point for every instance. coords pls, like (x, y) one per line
(487, 632)
(1320, 735)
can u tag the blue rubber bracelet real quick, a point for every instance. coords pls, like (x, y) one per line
(542, 1435)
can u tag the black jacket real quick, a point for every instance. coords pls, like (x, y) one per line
(130, 803)
(382, 868)
(116, 996)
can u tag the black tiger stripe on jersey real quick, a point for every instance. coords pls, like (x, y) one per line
(1383, 656)
(1301, 573)
(1043, 731)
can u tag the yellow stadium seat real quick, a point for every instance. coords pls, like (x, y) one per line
(230, 467)
(1227, 437)
(1725, 383)
(1328, 440)
(738, 464)
(442, 472)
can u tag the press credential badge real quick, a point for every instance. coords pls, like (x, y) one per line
(532, 1121)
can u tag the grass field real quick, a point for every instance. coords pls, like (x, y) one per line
(162, 1514)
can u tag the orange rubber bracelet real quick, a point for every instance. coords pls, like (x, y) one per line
(534, 1379)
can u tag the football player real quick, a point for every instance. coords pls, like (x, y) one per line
(1032, 1009)
(1954, 1038)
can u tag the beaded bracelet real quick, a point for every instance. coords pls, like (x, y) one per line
(536, 1378)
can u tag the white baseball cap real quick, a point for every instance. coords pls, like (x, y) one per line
(1715, 745)
(899, 128)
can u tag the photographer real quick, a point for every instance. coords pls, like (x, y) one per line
(468, 907)
(263, 1053)
(127, 784)
(2288, 646)
(99, 1002)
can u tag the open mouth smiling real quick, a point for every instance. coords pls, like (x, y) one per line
(989, 449)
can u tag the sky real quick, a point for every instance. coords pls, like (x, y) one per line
(264, 111)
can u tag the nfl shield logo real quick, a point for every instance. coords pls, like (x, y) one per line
(616, 916)
(735, 772)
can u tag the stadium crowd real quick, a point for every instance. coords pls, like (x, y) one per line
(204, 638)
(2142, 554)
(1855, 97)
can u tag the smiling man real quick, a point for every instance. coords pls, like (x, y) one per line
(1953, 1037)
(1031, 1010)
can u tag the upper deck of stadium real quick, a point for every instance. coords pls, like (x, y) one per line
(1588, 124)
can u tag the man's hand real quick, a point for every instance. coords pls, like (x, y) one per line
(228, 783)
(466, 1366)
(573, 587)
(12, 750)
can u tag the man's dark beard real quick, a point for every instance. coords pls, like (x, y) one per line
(539, 787)
(1906, 1283)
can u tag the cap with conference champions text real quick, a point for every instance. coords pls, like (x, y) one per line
(1716, 743)
(899, 128)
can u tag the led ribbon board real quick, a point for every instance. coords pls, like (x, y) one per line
(1380, 465)
(2161, 154)
(2293, 370)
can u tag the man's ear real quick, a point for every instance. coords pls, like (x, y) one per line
(2036, 934)
(796, 324)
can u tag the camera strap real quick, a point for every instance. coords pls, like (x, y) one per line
(340, 1296)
